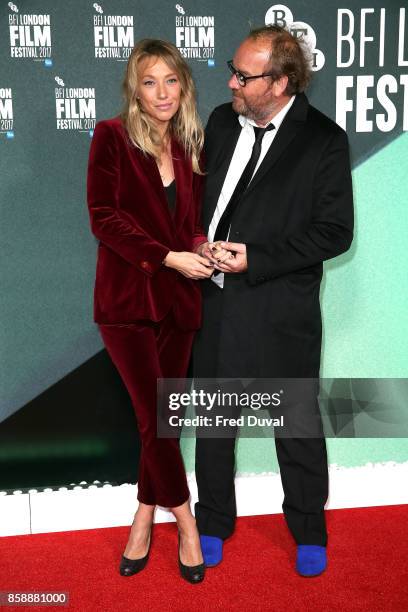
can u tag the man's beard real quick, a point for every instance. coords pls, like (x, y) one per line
(252, 112)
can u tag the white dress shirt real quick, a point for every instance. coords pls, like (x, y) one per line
(240, 158)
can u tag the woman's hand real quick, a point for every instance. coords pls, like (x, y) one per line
(189, 265)
(219, 254)
(213, 252)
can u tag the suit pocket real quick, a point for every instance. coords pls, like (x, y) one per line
(120, 289)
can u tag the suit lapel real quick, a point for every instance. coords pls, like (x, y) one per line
(290, 126)
(184, 178)
(223, 158)
(156, 188)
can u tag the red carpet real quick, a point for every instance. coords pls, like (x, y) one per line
(368, 568)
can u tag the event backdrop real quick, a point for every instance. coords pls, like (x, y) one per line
(61, 68)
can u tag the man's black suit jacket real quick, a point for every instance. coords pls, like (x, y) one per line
(296, 213)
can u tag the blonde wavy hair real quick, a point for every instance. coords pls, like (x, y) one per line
(185, 125)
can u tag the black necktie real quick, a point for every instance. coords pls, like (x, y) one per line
(224, 223)
(221, 233)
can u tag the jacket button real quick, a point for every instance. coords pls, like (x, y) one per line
(237, 233)
(145, 265)
(260, 279)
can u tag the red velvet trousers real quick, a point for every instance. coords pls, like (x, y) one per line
(143, 352)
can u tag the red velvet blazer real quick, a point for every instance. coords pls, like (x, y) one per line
(130, 217)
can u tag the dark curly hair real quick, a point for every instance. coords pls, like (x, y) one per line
(289, 56)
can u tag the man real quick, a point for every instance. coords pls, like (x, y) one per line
(279, 189)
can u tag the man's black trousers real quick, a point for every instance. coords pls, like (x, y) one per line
(302, 461)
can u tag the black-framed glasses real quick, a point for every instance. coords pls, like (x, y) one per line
(241, 78)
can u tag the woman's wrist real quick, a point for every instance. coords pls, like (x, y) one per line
(199, 249)
(169, 259)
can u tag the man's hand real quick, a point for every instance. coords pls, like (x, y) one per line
(190, 265)
(213, 252)
(236, 259)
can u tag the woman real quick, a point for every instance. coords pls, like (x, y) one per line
(144, 183)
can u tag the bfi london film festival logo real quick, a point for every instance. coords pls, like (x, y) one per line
(195, 36)
(6, 112)
(30, 35)
(281, 15)
(113, 35)
(75, 107)
(372, 50)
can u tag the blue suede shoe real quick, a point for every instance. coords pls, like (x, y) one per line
(311, 559)
(211, 548)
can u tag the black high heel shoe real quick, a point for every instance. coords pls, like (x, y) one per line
(129, 567)
(191, 573)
